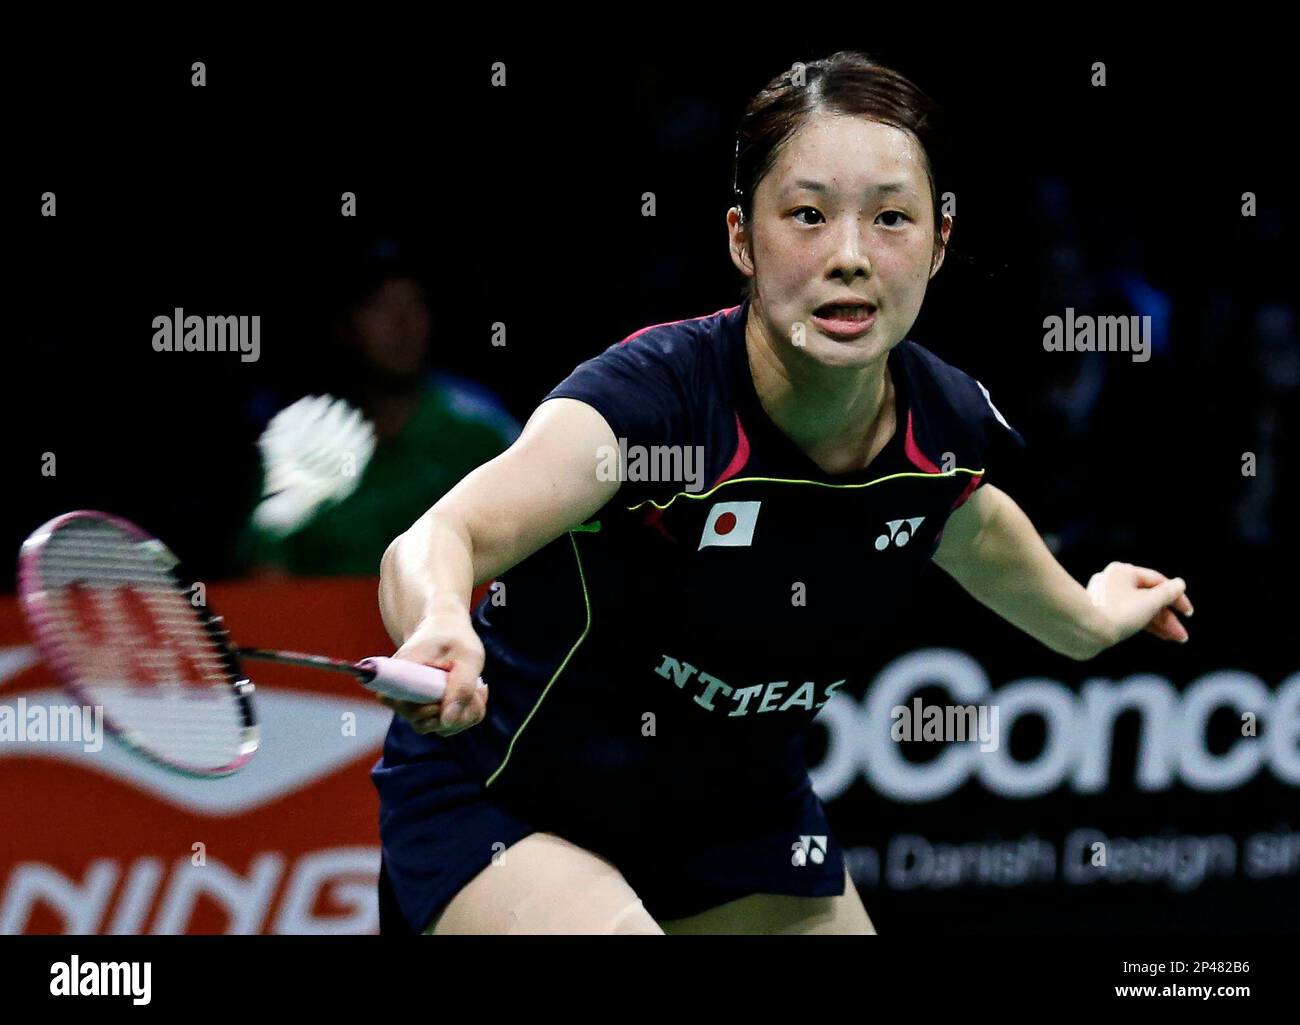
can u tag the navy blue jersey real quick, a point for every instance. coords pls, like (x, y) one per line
(663, 659)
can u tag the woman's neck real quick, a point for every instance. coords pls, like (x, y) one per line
(840, 417)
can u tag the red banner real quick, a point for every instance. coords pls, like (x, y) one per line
(102, 841)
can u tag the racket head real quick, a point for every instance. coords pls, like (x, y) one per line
(110, 615)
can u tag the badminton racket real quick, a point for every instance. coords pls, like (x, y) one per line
(110, 614)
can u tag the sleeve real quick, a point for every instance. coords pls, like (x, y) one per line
(641, 388)
(1000, 446)
(635, 387)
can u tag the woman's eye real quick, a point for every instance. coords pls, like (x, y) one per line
(898, 214)
(806, 210)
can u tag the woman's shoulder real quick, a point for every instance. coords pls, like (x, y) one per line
(655, 384)
(933, 373)
(687, 330)
(680, 343)
(948, 398)
(677, 357)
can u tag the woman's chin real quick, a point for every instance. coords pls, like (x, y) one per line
(856, 352)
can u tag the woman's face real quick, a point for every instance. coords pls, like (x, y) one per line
(844, 215)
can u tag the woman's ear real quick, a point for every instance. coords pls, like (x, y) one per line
(740, 241)
(945, 229)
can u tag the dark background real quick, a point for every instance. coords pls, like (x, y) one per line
(523, 205)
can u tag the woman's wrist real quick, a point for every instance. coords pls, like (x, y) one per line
(444, 601)
(1098, 628)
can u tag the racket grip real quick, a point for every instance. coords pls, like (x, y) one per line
(405, 681)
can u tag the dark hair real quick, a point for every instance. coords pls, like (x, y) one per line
(845, 83)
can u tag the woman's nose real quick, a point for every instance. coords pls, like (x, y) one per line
(850, 257)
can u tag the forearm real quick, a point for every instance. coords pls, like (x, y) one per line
(431, 566)
(1006, 566)
(500, 514)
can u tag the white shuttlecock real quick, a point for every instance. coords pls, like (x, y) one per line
(313, 453)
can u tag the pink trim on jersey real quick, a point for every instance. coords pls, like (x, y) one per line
(974, 483)
(923, 462)
(739, 459)
(918, 458)
(652, 518)
(670, 323)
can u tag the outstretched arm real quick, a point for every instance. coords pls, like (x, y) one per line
(991, 548)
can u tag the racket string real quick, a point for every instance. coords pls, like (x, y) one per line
(131, 640)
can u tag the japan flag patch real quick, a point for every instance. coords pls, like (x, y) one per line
(730, 524)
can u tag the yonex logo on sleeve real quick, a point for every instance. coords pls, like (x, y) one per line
(730, 524)
(809, 849)
(900, 532)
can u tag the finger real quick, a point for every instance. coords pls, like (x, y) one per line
(458, 698)
(427, 725)
(472, 714)
(1166, 626)
(1153, 578)
(1172, 591)
(418, 711)
(1159, 625)
(1146, 577)
(478, 707)
(411, 711)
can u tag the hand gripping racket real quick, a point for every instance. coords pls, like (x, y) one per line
(112, 618)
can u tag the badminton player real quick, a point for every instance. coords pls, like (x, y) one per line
(661, 631)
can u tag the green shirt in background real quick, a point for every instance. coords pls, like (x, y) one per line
(453, 430)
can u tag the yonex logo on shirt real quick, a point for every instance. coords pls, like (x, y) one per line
(808, 849)
(899, 531)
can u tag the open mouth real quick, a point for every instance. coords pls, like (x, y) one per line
(845, 311)
(845, 321)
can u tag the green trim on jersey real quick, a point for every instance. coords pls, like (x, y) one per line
(586, 598)
(787, 480)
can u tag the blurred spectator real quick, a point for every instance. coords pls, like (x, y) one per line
(432, 428)
(1276, 358)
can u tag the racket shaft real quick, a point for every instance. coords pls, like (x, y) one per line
(394, 677)
(297, 658)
